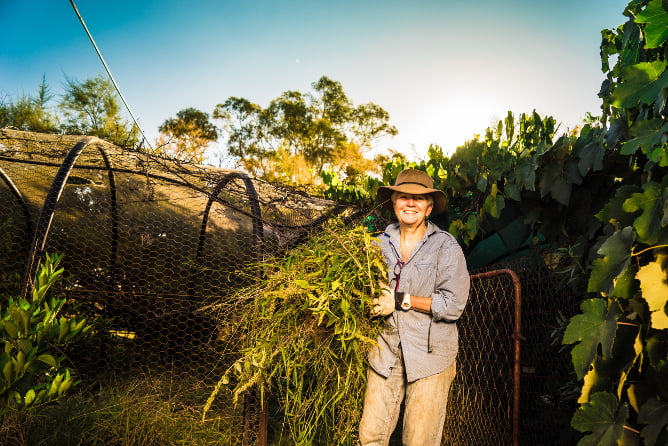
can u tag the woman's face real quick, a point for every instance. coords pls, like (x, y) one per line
(411, 210)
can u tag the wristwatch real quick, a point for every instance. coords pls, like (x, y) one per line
(406, 303)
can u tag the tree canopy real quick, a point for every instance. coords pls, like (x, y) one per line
(299, 134)
(30, 112)
(88, 107)
(91, 107)
(187, 136)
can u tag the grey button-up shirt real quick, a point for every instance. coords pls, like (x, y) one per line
(437, 269)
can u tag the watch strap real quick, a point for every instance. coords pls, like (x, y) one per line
(398, 299)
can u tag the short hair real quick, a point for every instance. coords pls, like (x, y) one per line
(396, 193)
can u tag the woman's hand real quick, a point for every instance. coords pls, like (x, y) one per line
(383, 305)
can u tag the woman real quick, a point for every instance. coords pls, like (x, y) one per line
(414, 360)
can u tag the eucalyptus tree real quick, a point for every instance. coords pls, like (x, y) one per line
(91, 107)
(313, 131)
(187, 136)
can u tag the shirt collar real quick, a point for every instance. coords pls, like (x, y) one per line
(392, 231)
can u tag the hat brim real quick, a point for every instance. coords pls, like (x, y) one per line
(384, 195)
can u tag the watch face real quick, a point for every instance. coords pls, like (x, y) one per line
(406, 304)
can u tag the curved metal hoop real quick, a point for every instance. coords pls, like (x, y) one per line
(45, 219)
(256, 212)
(17, 194)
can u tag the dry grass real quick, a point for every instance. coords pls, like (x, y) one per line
(146, 411)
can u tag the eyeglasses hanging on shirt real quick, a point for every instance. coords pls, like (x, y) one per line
(397, 272)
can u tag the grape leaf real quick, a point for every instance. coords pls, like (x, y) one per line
(650, 202)
(631, 367)
(525, 170)
(616, 252)
(632, 43)
(603, 418)
(608, 48)
(590, 152)
(654, 413)
(655, 291)
(612, 211)
(641, 82)
(596, 325)
(615, 132)
(494, 204)
(657, 348)
(594, 381)
(656, 18)
(650, 136)
(554, 182)
(512, 191)
(626, 284)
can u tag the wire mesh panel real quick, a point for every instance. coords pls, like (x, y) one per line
(15, 232)
(480, 403)
(548, 389)
(546, 404)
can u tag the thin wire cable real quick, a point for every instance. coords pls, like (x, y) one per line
(113, 81)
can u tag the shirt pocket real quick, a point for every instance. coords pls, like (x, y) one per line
(422, 279)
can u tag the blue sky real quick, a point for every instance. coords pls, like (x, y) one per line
(444, 70)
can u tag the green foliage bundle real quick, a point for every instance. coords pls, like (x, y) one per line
(30, 374)
(307, 332)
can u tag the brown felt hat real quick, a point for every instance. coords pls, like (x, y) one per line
(415, 182)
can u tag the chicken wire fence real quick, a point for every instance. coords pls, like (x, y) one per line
(153, 245)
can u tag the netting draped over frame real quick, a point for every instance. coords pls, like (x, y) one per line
(142, 236)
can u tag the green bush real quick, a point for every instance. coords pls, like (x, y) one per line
(30, 373)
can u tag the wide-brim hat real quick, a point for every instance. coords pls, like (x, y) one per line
(415, 182)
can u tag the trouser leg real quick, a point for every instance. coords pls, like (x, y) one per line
(382, 402)
(425, 406)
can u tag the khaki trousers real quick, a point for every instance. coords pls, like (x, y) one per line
(424, 407)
